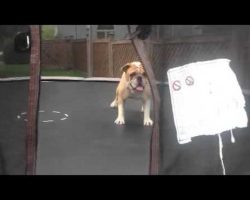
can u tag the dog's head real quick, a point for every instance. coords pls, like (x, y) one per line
(135, 76)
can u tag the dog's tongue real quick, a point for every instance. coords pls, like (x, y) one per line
(139, 88)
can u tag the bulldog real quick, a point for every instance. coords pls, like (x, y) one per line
(133, 84)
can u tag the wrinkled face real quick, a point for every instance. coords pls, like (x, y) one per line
(136, 76)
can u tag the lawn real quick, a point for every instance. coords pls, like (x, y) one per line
(13, 70)
(61, 72)
(23, 70)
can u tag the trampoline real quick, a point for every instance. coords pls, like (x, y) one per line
(66, 125)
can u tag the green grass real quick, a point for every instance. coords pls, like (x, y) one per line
(23, 70)
(62, 72)
(13, 70)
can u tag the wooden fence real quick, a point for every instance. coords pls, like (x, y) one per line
(109, 56)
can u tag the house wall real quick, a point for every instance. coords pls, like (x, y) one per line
(74, 31)
(165, 31)
(175, 31)
(81, 31)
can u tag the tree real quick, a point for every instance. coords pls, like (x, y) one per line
(49, 32)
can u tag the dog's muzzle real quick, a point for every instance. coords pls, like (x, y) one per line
(139, 87)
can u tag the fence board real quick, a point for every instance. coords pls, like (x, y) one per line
(101, 59)
(79, 48)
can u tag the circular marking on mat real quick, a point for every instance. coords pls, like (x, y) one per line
(47, 121)
(59, 116)
(56, 111)
(176, 85)
(189, 80)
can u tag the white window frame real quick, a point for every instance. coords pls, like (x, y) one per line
(106, 32)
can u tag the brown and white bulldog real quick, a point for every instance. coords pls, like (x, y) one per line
(133, 84)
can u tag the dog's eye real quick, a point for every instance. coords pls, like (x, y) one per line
(132, 74)
(144, 74)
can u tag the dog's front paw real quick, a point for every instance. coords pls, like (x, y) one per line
(120, 121)
(148, 122)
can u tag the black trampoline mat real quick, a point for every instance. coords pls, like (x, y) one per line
(83, 139)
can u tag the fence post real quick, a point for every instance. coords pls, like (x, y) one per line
(110, 55)
(90, 52)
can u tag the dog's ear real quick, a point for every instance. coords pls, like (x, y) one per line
(125, 67)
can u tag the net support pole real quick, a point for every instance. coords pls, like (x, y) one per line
(90, 51)
(154, 142)
(33, 100)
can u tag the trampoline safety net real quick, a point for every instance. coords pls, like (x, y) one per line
(13, 102)
(172, 47)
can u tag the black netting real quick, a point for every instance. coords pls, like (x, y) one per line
(171, 46)
(14, 65)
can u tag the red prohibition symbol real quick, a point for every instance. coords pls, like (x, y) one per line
(176, 85)
(189, 80)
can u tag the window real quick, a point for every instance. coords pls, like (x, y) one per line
(105, 31)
